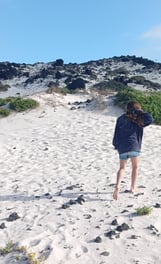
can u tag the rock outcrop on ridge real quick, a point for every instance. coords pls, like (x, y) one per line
(124, 70)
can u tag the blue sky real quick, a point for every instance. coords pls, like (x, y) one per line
(79, 30)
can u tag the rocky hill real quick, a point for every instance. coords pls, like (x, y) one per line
(26, 79)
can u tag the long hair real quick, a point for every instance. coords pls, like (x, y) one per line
(135, 113)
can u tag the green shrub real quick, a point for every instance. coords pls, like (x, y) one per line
(110, 85)
(141, 80)
(138, 79)
(54, 89)
(65, 91)
(20, 104)
(4, 87)
(2, 101)
(156, 86)
(4, 112)
(121, 70)
(144, 210)
(21, 253)
(150, 102)
(7, 249)
(10, 99)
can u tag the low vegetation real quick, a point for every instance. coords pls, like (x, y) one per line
(141, 80)
(4, 112)
(19, 104)
(54, 89)
(21, 252)
(111, 85)
(145, 210)
(4, 87)
(121, 70)
(150, 101)
(3, 101)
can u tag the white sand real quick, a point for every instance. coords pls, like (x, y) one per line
(52, 155)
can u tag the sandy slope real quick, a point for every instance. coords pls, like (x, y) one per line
(58, 170)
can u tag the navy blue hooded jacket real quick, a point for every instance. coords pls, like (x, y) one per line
(128, 135)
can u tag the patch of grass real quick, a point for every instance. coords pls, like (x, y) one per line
(33, 258)
(22, 251)
(4, 112)
(138, 79)
(150, 101)
(4, 87)
(54, 89)
(145, 210)
(7, 249)
(5, 101)
(112, 85)
(20, 104)
(17, 104)
(141, 80)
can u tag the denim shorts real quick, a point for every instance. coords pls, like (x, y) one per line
(130, 154)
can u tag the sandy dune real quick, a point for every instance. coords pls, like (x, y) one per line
(58, 170)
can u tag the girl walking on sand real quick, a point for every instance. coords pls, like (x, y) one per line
(127, 141)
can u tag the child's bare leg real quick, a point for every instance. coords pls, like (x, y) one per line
(120, 175)
(135, 163)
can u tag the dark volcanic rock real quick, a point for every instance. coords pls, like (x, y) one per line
(78, 83)
(99, 74)
(157, 205)
(114, 222)
(59, 62)
(65, 206)
(8, 71)
(2, 226)
(105, 253)
(88, 216)
(4, 87)
(110, 234)
(122, 227)
(58, 75)
(98, 239)
(87, 71)
(12, 217)
(134, 237)
(79, 200)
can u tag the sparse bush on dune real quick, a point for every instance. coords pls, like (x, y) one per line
(20, 104)
(54, 89)
(98, 100)
(19, 253)
(4, 87)
(17, 104)
(111, 85)
(4, 112)
(145, 210)
(121, 70)
(143, 81)
(138, 79)
(150, 101)
(2, 101)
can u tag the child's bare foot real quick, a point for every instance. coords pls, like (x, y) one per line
(116, 193)
(134, 190)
